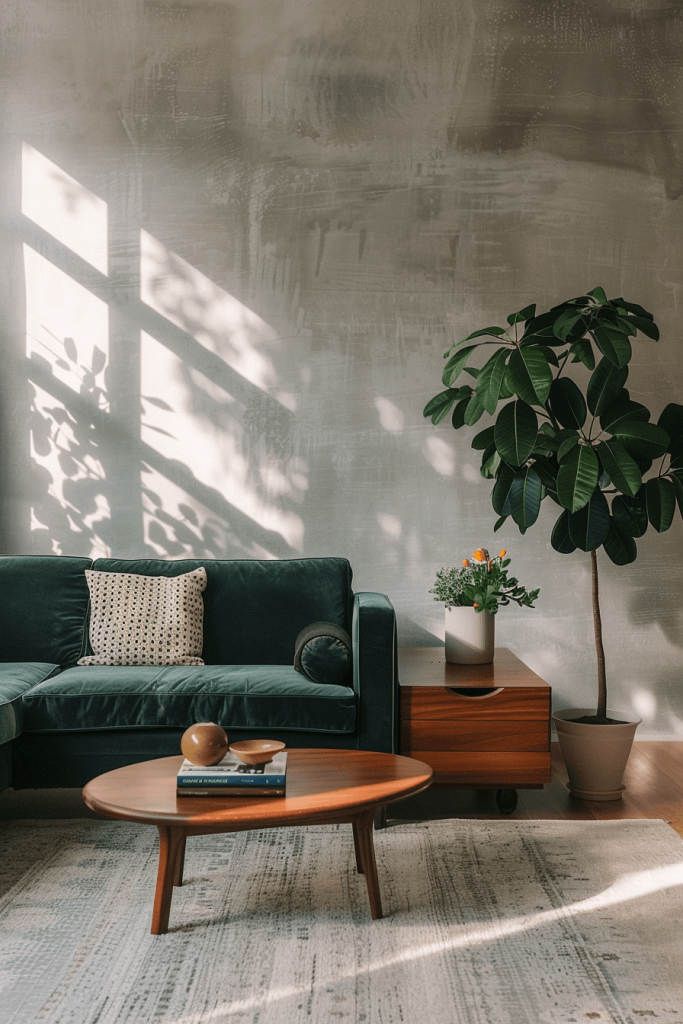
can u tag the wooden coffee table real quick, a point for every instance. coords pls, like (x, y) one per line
(323, 787)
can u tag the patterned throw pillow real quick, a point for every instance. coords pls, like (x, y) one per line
(145, 620)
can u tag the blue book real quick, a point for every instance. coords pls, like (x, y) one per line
(233, 772)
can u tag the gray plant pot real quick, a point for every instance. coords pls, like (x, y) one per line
(595, 755)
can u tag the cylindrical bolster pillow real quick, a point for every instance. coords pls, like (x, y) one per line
(323, 653)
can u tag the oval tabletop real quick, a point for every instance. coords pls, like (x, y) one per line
(319, 782)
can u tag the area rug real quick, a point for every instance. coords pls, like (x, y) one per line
(498, 922)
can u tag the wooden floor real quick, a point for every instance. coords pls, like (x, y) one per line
(654, 789)
(653, 779)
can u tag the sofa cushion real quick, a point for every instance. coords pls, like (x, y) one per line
(43, 606)
(244, 696)
(15, 679)
(254, 610)
(323, 653)
(145, 620)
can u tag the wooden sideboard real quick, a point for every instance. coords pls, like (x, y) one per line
(478, 726)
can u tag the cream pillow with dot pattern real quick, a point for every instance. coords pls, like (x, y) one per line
(145, 620)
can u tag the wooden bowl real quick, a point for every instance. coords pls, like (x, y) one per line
(204, 743)
(256, 751)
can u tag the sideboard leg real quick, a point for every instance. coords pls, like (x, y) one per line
(381, 817)
(506, 800)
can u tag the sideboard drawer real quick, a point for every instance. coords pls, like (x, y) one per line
(498, 768)
(514, 703)
(475, 735)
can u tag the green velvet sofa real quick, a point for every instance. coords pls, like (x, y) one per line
(61, 724)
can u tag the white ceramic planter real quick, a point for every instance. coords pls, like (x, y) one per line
(470, 636)
(595, 755)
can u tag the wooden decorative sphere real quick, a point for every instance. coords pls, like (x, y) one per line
(204, 743)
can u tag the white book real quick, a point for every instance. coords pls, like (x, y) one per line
(233, 772)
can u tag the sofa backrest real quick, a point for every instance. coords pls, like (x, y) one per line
(253, 609)
(43, 606)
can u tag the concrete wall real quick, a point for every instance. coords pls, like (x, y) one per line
(237, 237)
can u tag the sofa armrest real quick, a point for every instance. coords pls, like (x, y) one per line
(375, 674)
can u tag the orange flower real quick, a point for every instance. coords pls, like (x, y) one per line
(465, 561)
(503, 553)
(475, 605)
(480, 555)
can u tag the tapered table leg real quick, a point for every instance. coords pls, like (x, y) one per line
(356, 847)
(179, 863)
(363, 828)
(170, 841)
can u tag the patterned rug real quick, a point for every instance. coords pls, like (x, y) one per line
(500, 922)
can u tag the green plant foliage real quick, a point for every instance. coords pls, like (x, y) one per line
(483, 583)
(563, 425)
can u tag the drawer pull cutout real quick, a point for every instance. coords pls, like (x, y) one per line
(474, 692)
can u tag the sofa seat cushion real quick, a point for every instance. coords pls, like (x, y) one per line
(16, 677)
(267, 697)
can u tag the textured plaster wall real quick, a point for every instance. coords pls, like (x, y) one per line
(237, 237)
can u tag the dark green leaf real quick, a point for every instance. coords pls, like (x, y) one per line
(630, 514)
(490, 380)
(642, 440)
(474, 411)
(632, 307)
(547, 471)
(622, 408)
(577, 477)
(515, 432)
(490, 462)
(458, 417)
(560, 539)
(483, 439)
(678, 487)
(495, 331)
(624, 324)
(619, 466)
(599, 295)
(648, 327)
(588, 526)
(606, 382)
(613, 344)
(439, 406)
(620, 546)
(583, 353)
(671, 421)
(660, 499)
(499, 523)
(455, 365)
(567, 445)
(525, 498)
(567, 404)
(524, 314)
(565, 322)
(501, 490)
(530, 375)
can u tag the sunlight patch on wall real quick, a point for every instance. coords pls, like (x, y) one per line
(73, 511)
(390, 416)
(67, 328)
(176, 525)
(439, 455)
(217, 320)
(65, 209)
(189, 419)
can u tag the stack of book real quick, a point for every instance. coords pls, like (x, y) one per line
(231, 777)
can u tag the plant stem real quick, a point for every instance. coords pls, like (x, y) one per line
(599, 649)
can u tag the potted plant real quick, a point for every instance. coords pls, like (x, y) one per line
(473, 593)
(590, 448)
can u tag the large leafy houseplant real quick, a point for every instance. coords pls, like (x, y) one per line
(594, 451)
